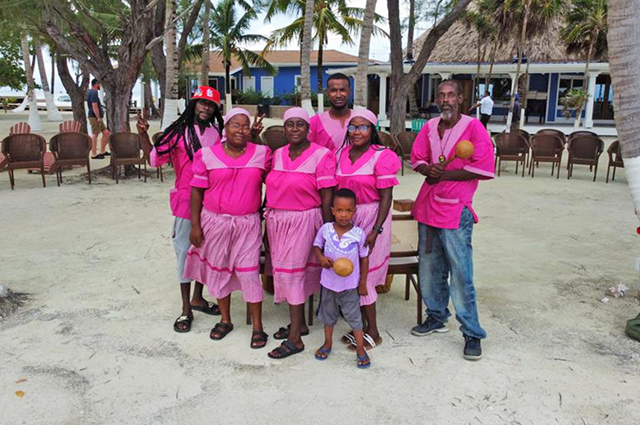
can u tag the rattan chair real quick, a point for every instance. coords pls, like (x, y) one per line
(511, 147)
(159, 173)
(24, 151)
(553, 132)
(585, 150)
(274, 139)
(546, 148)
(125, 150)
(580, 133)
(70, 149)
(275, 127)
(404, 140)
(614, 150)
(404, 256)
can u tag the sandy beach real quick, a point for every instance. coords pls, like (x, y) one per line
(96, 346)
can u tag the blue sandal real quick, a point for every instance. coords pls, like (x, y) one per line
(364, 362)
(322, 353)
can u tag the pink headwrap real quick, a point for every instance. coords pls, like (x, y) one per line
(296, 113)
(366, 114)
(232, 113)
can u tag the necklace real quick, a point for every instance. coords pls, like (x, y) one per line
(442, 158)
(231, 152)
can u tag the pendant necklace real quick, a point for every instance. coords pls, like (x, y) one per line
(442, 158)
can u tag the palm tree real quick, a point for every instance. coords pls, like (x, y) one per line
(52, 110)
(305, 57)
(363, 54)
(482, 23)
(228, 32)
(586, 30)
(34, 118)
(329, 17)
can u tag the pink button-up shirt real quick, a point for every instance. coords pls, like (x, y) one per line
(440, 205)
(180, 195)
(327, 132)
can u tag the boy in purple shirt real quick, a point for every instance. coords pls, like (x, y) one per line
(341, 239)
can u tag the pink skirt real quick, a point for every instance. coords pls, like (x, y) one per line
(365, 218)
(296, 271)
(229, 258)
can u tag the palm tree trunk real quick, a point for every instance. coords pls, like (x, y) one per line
(320, 72)
(523, 37)
(410, 29)
(487, 80)
(204, 72)
(363, 55)
(624, 49)
(524, 95)
(585, 80)
(171, 101)
(227, 82)
(52, 110)
(305, 71)
(25, 101)
(34, 118)
(76, 91)
(476, 80)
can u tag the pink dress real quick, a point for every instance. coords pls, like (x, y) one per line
(327, 132)
(441, 205)
(180, 195)
(294, 216)
(229, 258)
(375, 169)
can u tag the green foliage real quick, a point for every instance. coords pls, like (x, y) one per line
(295, 99)
(11, 70)
(585, 26)
(574, 100)
(252, 97)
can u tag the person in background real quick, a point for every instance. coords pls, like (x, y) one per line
(486, 108)
(98, 127)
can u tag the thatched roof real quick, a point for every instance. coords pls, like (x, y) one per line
(460, 43)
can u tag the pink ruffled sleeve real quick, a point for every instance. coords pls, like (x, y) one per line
(156, 160)
(326, 171)
(482, 160)
(200, 175)
(386, 168)
(421, 151)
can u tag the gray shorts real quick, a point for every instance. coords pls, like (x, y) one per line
(181, 244)
(331, 303)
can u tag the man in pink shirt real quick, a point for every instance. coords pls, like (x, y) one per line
(330, 128)
(446, 217)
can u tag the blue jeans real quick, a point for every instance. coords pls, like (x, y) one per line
(450, 258)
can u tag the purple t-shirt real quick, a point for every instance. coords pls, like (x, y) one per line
(350, 246)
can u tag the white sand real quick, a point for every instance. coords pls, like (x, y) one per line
(96, 343)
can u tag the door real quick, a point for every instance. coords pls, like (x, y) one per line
(467, 92)
(603, 99)
(266, 86)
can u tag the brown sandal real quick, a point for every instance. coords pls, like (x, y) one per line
(258, 339)
(222, 329)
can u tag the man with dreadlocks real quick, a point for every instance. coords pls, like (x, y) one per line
(200, 125)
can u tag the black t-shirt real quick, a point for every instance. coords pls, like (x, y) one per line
(93, 97)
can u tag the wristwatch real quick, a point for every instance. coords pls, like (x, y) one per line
(378, 229)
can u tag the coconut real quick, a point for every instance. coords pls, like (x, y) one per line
(343, 267)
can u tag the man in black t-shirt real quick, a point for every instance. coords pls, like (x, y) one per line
(95, 119)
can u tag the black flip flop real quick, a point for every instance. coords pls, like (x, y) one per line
(258, 339)
(285, 350)
(221, 329)
(283, 333)
(210, 308)
(180, 320)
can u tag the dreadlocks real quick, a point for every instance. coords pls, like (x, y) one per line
(185, 124)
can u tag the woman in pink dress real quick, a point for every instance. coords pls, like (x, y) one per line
(369, 169)
(225, 223)
(299, 193)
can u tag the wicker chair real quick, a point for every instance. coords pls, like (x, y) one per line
(553, 132)
(24, 151)
(159, 173)
(546, 148)
(585, 150)
(511, 147)
(70, 149)
(405, 140)
(274, 139)
(125, 150)
(388, 141)
(404, 256)
(275, 127)
(580, 133)
(614, 150)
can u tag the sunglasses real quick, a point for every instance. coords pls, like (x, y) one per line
(362, 128)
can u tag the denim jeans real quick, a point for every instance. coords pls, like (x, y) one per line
(450, 259)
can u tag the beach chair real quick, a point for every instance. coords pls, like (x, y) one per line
(614, 150)
(546, 148)
(20, 128)
(404, 256)
(274, 138)
(24, 151)
(125, 150)
(70, 149)
(159, 173)
(70, 126)
(511, 147)
(580, 133)
(585, 150)
(404, 140)
(417, 124)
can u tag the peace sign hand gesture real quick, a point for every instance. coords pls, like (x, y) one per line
(142, 125)
(257, 126)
